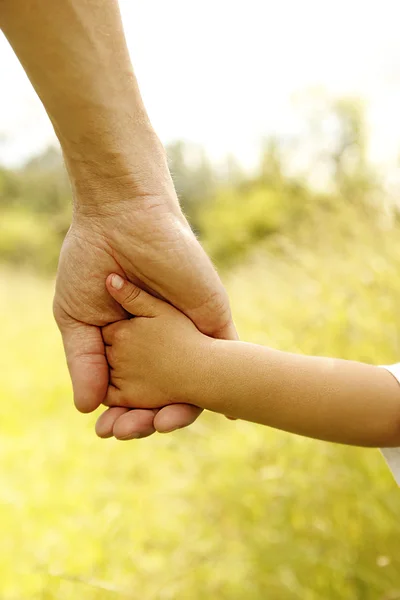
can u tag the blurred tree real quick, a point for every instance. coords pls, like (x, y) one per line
(271, 163)
(9, 187)
(36, 211)
(232, 172)
(354, 176)
(233, 211)
(44, 184)
(194, 177)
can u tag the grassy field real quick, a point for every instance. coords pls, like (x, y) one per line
(225, 510)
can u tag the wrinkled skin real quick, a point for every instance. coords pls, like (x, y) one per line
(150, 243)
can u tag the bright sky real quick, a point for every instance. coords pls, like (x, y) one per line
(223, 73)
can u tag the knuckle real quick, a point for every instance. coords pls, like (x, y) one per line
(117, 333)
(125, 400)
(121, 334)
(132, 295)
(114, 397)
(111, 331)
(111, 403)
(214, 315)
(108, 331)
(59, 315)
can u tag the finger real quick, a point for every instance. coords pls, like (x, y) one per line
(105, 423)
(125, 423)
(114, 397)
(175, 416)
(134, 424)
(87, 364)
(108, 331)
(134, 300)
(228, 332)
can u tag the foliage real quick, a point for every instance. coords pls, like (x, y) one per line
(35, 205)
(232, 212)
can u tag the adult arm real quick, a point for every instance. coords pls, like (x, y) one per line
(75, 56)
(126, 214)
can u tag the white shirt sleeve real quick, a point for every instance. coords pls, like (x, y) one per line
(392, 455)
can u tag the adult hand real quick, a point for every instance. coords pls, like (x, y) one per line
(127, 218)
(146, 239)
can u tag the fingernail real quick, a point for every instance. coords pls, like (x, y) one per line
(117, 282)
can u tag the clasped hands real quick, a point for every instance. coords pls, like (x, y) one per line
(146, 240)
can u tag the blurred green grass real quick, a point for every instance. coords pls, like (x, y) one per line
(225, 510)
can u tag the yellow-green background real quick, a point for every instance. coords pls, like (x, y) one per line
(223, 510)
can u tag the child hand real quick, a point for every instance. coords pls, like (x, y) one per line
(155, 357)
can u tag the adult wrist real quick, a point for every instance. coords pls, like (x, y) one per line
(138, 153)
(116, 173)
(109, 144)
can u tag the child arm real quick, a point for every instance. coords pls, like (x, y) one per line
(160, 357)
(325, 398)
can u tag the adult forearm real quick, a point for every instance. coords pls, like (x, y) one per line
(76, 57)
(329, 399)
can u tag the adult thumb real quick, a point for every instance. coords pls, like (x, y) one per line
(134, 300)
(87, 364)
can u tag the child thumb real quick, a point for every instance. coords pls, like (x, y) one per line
(134, 300)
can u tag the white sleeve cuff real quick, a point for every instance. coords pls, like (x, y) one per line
(392, 455)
